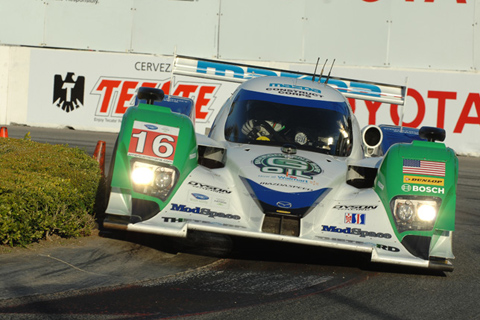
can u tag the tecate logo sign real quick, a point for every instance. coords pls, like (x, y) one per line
(116, 95)
(68, 93)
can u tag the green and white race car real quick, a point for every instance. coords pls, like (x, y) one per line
(286, 160)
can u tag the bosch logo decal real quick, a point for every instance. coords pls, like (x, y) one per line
(437, 190)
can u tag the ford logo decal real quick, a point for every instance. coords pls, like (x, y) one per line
(284, 204)
(151, 127)
(200, 196)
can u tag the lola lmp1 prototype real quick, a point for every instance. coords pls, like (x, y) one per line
(285, 160)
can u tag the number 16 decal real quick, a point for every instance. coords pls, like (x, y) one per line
(154, 142)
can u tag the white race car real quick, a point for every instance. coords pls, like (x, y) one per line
(286, 160)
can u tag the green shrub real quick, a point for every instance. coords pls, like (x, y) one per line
(44, 190)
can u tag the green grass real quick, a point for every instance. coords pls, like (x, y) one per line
(45, 190)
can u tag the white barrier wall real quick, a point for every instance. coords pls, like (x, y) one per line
(89, 90)
(127, 43)
(4, 64)
(14, 75)
(427, 34)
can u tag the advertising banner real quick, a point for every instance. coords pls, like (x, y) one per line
(443, 99)
(90, 90)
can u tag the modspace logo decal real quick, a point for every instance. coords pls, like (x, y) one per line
(68, 92)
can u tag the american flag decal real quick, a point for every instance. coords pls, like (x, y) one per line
(422, 167)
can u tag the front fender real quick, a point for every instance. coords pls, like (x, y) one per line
(419, 171)
(156, 136)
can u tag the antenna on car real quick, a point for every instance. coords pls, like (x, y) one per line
(315, 72)
(321, 72)
(328, 77)
(403, 105)
(172, 76)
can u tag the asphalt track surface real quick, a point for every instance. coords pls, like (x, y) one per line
(133, 276)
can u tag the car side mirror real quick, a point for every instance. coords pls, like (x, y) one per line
(432, 134)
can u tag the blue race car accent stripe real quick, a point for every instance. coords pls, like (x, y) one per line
(283, 200)
(396, 134)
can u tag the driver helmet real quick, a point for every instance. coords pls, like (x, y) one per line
(255, 129)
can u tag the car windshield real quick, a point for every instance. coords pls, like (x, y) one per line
(313, 125)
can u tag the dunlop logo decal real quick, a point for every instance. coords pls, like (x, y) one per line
(424, 180)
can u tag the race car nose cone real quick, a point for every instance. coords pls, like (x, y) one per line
(289, 149)
(274, 201)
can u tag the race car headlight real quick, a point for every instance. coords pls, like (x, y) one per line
(427, 212)
(152, 179)
(405, 211)
(164, 178)
(142, 175)
(415, 213)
